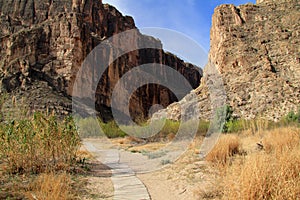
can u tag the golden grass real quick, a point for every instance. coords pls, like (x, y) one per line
(281, 139)
(264, 176)
(227, 146)
(51, 187)
(272, 173)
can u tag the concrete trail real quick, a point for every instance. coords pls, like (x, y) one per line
(126, 185)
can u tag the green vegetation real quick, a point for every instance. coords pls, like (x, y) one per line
(234, 125)
(90, 127)
(94, 127)
(292, 117)
(38, 144)
(37, 157)
(112, 130)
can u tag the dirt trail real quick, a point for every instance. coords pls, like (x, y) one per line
(183, 179)
(126, 185)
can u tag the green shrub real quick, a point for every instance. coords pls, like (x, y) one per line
(203, 127)
(170, 127)
(112, 130)
(88, 127)
(224, 118)
(293, 117)
(38, 144)
(233, 126)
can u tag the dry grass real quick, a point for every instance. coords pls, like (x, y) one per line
(264, 176)
(39, 144)
(272, 173)
(227, 146)
(51, 187)
(37, 156)
(281, 139)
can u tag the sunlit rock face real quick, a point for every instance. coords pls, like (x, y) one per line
(43, 44)
(255, 48)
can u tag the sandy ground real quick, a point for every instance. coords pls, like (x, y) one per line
(185, 179)
(98, 179)
(99, 184)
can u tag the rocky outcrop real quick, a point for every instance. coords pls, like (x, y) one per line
(255, 49)
(43, 44)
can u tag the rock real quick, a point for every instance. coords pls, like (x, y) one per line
(255, 49)
(47, 41)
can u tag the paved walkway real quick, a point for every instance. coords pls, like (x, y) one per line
(126, 185)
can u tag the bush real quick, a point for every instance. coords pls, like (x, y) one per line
(112, 130)
(39, 144)
(88, 127)
(292, 117)
(234, 126)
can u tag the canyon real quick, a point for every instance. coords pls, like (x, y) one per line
(44, 43)
(254, 53)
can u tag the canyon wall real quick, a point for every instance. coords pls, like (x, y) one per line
(255, 48)
(44, 42)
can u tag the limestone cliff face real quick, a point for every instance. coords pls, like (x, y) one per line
(44, 42)
(255, 48)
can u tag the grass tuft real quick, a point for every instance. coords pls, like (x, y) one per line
(269, 173)
(227, 146)
(51, 187)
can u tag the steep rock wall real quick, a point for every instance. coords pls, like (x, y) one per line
(43, 44)
(255, 49)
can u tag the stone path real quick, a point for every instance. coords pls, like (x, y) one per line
(126, 185)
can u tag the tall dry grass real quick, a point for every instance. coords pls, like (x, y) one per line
(273, 173)
(51, 186)
(282, 139)
(227, 146)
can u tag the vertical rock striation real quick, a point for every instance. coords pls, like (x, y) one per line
(255, 48)
(43, 44)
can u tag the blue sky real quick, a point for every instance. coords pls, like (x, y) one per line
(190, 17)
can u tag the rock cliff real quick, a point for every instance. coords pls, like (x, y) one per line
(44, 42)
(255, 48)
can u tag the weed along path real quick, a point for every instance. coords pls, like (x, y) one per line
(126, 184)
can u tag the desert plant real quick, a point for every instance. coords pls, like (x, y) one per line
(51, 187)
(112, 130)
(271, 173)
(88, 127)
(38, 144)
(292, 117)
(264, 176)
(227, 146)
